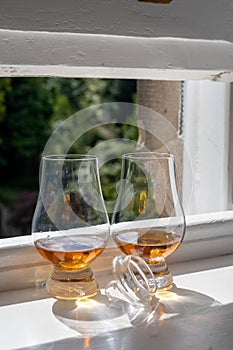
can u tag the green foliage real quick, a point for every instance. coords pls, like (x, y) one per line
(4, 88)
(31, 108)
(73, 95)
(76, 94)
(28, 106)
(8, 195)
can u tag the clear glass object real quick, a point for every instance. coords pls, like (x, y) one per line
(70, 226)
(134, 281)
(133, 289)
(148, 219)
(128, 300)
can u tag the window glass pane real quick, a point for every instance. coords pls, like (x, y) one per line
(30, 109)
(192, 121)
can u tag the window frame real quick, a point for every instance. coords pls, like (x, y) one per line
(56, 54)
(207, 150)
(207, 236)
(41, 53)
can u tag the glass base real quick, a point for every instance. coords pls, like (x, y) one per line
(72, 285)
(162, 276)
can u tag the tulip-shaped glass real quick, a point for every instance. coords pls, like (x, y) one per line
(148, 218)
(70, 225)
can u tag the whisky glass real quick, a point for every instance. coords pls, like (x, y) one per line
(148, 218)
(70, 226)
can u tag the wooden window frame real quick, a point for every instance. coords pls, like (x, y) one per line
(31, 53)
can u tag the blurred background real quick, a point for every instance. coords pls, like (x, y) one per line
(30, 109)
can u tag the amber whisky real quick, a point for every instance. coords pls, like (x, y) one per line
(151, 244)
(70, 253)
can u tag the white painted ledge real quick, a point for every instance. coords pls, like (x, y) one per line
(197, 314)
(93, 55)
(207, 236)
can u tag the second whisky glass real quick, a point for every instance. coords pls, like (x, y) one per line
(148, 218)
(70, 225)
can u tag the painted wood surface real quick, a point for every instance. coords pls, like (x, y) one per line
(209, 20)
(117, 39)
(195, 314)
(84, 55)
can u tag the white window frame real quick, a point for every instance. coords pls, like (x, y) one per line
(206, 114)
(85, 55)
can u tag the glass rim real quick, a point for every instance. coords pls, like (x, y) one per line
(147, 155)
(70, 157)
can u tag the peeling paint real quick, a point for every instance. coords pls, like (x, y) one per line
(218, 76)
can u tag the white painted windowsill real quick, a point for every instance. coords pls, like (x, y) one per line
(207, 236)
(198, 314)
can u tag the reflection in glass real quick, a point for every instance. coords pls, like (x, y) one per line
(70, 224)
(134, 290)
(148, 218)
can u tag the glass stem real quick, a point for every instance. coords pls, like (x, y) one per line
(162, 275)
(72, 285)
